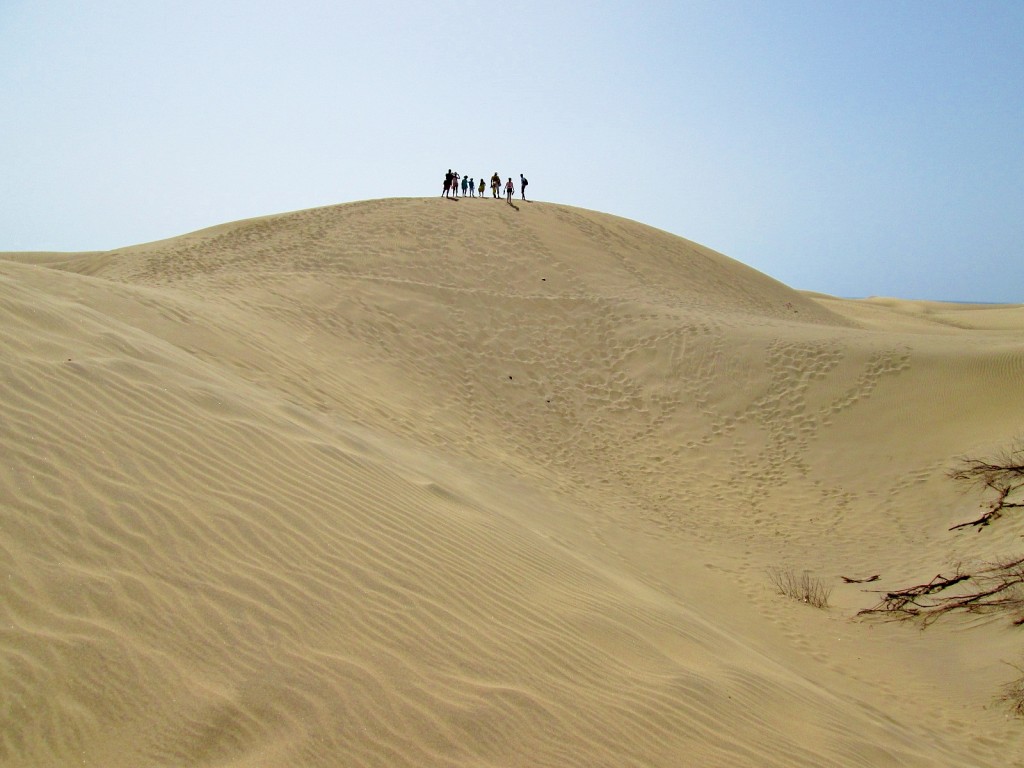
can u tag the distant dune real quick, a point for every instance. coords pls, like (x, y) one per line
(419, 482)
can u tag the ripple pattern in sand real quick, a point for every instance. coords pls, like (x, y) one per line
(206, 565)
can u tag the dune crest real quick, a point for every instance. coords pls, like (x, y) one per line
(417, 482)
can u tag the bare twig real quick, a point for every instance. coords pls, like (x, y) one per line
(1003, 475)
(999, 586)
(851, 580)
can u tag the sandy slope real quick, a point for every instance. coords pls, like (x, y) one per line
(422, 482)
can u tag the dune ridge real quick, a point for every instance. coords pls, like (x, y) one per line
(416, 482)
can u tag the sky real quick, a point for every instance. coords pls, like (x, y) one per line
(869, 148)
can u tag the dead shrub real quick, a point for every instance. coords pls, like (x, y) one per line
(1013, 694)
(800, 586)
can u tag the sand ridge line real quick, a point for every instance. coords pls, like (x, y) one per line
(260, 515)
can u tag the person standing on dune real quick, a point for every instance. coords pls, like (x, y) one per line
(510, 189)
(522, 185)
(495, 185)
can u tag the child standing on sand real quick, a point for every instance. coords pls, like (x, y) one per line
(482, 187)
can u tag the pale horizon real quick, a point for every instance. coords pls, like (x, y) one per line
(852, 150)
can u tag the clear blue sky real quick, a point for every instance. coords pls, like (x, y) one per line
(854, 148)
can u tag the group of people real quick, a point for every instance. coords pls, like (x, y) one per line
(452, 180)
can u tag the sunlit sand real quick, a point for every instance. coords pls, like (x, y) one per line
(423, 483)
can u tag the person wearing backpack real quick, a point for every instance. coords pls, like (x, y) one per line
(522, 185)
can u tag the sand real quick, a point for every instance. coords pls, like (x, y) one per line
(418, 482)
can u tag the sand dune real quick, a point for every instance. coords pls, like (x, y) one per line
(432, 483)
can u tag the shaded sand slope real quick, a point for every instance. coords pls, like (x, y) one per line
(417, 482)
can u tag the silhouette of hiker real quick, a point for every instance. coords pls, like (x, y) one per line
(447, 183)
(522, 185)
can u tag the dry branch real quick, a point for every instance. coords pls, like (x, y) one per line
(1003, 475)
(851, 580)
(997, 586)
